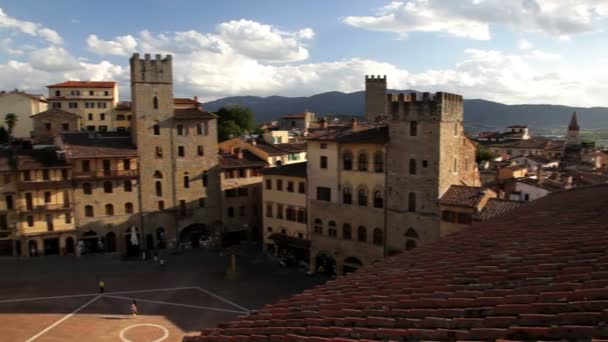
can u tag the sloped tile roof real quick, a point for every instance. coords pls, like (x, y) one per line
(87, 84)
(539, 272)
(496, 207)
(92, 145)
(372, 134)
(230, 161)
(291, 170)
(53, 112)
(462, 196)
(192, 113)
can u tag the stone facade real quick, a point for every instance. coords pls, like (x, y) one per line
(48, 124)
(375, 98)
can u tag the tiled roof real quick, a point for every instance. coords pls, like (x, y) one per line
(463, 196)
(547, 184)
(54, 111)
(184, 100)
(372, 134)
(85, 84)
(270, 149)
(539, 272)
(495, 207)
(536, 143)
(192, 113)
(290, 170)
(37, 97)
(92, 145)
(38, 159)
(230, 161)
(292, 148)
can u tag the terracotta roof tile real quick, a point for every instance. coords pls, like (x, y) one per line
(374, 134)
(192, 113)
(87, 84)
(55, 111)
(291, 170)
(463, 196)
(496, 207)
(91, 145)
(534, 274)
(230, 161)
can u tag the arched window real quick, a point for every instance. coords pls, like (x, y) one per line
(362, 161)
(186, 181)
(347, 160)
(378, 162)
(412, 166)
(362, 197)
(109, 209)
(412, 238)
(362, 234)
(87, 188)
(230, 212)
(156, 129)
(159, 188)
(347, 232)
(332, 229)
(378, 236)
(107, 187)
(347, 196)
(378, 201)
(158, 174)
(155, 102)
(411, 202)
(318, 227)
(128, 186)
(88, 211)
(411, 233)
(129, 208)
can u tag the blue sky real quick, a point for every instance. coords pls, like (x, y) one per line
(520, 51)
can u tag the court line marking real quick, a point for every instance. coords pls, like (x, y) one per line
(177, 304)
(162, 338)
(63, 319)
(223, 299)
(16, 300)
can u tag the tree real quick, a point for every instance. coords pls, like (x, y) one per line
(484, 154)
(3, 135)
(10, 120)
(234, 121)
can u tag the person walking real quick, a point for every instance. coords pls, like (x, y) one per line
(102, 286)
(133, 309)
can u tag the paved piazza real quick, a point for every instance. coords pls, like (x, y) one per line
(56, 299)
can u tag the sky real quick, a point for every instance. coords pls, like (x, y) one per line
(509, 51)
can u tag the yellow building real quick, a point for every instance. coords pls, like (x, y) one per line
(285, 215)
(93, 101)
(23, 105)
(460, 204)
(273, 154)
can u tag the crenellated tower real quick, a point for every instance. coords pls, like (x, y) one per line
(375, 98)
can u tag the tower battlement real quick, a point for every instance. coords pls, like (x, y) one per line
(375, 78)
(157, 70)
(425, 106)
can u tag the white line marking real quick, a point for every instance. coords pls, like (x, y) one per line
(95, 294)
(63, 319)
(178, 304)
(162, 338)
(223, 299)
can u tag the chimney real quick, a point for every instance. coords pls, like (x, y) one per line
(355, 123)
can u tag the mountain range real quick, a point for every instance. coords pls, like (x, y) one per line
(478, 114)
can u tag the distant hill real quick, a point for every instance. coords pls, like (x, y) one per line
(479, 114)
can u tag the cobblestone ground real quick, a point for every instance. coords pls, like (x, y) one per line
(56, 298)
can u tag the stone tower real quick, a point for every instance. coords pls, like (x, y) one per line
(427, 153)
(573, 135)
(375, 98)
(177, 152)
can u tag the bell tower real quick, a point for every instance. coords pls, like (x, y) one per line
(375, 98)
(573, 135)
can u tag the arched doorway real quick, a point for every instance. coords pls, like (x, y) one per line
(193, 233)
(111, 242)
(161, 238)
(51, 246)
(411, 239)
(325, 264)
(91, 242)
(133, 242)
(69, 245)
(351, 264)
(32, 248)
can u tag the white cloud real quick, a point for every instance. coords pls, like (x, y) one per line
(121, 46)
(545, 56)
(53, 59)
(523, 44)
(559, 18)
(30, 28)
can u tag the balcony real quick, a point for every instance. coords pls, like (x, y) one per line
(106, 174)
(45, 184)
(46, 207)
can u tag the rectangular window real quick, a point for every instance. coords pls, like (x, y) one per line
(126, 164)
(302, 187)
(199, 129)
(412, 170)
(102, 116)
(290, 186)
(30, 221)
(323, 162)
(103, 128)
(159, 152)
(9, 202)
(57, 93)
(425, 164)
(323, 194)
(243, 192)
(279, 185)
(91, 93)
(64, 174)
(46, 175)
(27, 176)
(242, 173)
(180, 129)
(56, 104)
(180, 151)
(68, 218)
(413, 128)
(269, 184)
(161, 205)
(323, 146)
(72, 104)
(86, 165)
(47, 126)
(269, 210)
(65, 127)
(199, 150)
(301, 216)
(106, 93)
(279, 211)
(47, 197)
(90, 116)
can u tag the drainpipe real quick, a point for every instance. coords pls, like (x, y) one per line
(385, 199)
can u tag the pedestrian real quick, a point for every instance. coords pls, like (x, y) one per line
(102, 286)
(133, 309)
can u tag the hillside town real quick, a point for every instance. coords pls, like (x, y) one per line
(85, 173)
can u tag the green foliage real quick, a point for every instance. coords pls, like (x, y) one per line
(234, 121)
(588, 144)
(484, 154)
(10, 120)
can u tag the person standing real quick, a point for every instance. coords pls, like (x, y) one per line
(133, 309)
(102, 286)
